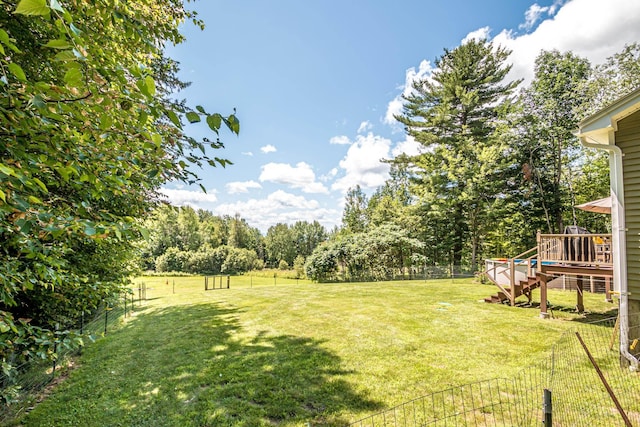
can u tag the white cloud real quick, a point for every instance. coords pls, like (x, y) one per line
(280, 206)
(340, 140)
(411, 75)
(362, 163)
(365, 126)
(268, 149)
(241, 186)
(532, 15)
(409, 147)
(479, 34)
(301, 176)
(590, 28)
(247, 153)
(188, 197)
(329, 175)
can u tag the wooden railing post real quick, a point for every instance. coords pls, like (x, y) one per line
(512, 280)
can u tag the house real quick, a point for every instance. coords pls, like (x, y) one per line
(616, 129)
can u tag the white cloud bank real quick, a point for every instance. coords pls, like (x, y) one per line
(593, 29)
(241, 186)
(280, 207)
(179, 197)
(362, 164)
(301, 176)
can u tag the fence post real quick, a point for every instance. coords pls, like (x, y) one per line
(55, 351)
(106, 318)
(547, 409)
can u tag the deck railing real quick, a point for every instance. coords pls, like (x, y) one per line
(593, 249)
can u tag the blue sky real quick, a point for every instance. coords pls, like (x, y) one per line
(316, 82)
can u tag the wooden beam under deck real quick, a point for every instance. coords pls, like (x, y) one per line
(577, 270)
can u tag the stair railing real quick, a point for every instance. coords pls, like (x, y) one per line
(520, 259)
(525, 257)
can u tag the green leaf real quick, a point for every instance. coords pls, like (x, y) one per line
(145, 233)
(157, 139)
(201, 109)
(3, 196)
(174, 118)
(193, 117)
(16, 70)
(89, 230)
(64, 56)
(4, 37)
(73, 76)
(41, 185)
(7, 170)
(32, 8)
(105, 122)
(151, 85)
(214, 121)
(5, 40)
(234, 124)
(34, 200)
(58, 44)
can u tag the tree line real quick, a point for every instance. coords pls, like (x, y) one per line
(196, 241)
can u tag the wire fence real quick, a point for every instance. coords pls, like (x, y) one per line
(22, 386)
(589, 384)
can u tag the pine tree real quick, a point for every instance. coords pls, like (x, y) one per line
(455, 114)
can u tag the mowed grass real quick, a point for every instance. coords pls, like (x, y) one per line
(294, 353)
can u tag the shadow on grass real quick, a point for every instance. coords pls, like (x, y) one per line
(195, 366)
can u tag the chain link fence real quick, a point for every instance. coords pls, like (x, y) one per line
(589, 384)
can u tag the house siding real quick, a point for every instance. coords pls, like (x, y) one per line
(627, 137)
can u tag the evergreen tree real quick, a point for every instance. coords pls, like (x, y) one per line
(455, 114)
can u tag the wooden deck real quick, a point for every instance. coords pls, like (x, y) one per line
(555, 255)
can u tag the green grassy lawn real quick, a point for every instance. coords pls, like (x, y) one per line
(293, 353)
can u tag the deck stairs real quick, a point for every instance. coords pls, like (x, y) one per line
(510, 283)
(523, 287)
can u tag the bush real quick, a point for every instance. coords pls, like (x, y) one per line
(283, 265)
(298, 266)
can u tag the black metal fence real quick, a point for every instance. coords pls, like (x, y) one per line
(589, 385)
(20, 387)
